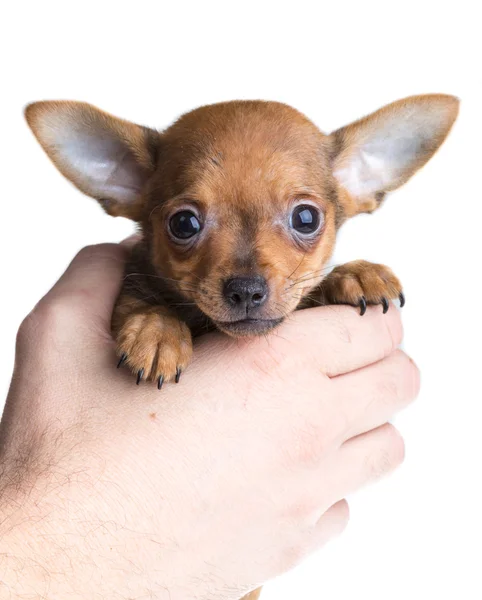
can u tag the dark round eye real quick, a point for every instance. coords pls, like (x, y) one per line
(184, 225)
(305, 219)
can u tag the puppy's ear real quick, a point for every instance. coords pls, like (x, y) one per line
(105, 157)
(382, 151)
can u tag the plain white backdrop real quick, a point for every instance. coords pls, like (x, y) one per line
(416, 534)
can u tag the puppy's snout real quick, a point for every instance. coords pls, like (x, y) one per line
(246, 292)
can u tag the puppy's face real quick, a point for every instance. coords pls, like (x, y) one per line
(240, 202)
(242, 212)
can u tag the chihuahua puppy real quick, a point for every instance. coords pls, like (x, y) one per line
(239, 204)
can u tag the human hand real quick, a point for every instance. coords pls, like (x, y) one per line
(208, 488)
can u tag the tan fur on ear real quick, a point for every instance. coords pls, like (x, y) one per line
(105, 157)
(380, 152)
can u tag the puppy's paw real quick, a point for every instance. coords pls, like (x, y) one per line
(360, 283)
(156, 346)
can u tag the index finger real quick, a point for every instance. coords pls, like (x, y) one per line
(339, 340)
(91, 283)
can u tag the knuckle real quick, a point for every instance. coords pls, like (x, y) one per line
(27, 328)
(388, 389)
(412, 379)
(50, 317)
(26, 334)
(407, 377)
(45, 328)
(378, 464)
(388, 456)
(396, 446)
(401, 381)
(394, 330)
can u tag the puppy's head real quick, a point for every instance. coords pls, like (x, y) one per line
(240, 202)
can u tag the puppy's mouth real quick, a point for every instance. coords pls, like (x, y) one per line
(248, 326)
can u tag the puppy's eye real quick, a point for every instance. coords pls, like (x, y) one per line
(184, 225)
(305, 219)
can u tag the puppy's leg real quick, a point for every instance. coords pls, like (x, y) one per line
(360, 283)
(252, 595)
(151, 340)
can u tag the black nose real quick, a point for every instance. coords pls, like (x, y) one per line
(246, 292)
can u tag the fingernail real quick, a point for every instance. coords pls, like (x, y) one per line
(363, 306)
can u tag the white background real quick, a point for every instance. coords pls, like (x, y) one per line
(416, 534)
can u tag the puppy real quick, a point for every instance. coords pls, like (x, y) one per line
(239, 204)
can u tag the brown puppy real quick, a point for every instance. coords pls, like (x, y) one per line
(239, 204)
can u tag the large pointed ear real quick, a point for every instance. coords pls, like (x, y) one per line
(382, 151)
(105, 157)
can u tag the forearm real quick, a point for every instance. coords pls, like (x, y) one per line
(44, 557)
(74, 542)
(32, 564)
(54, 545)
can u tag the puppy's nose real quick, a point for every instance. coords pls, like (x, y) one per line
(246, 292)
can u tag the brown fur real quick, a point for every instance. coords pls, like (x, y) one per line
(241, 166)
(348, 283)
(151, 338)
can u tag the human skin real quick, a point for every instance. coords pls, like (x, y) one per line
(206, 489)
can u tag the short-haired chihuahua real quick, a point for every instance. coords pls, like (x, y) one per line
(239, 204)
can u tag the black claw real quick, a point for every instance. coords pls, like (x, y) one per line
(139, 376)
(363, 305)
(385, 305)
(401, 297)
(160, 381)
(122, 360)
(178, 374)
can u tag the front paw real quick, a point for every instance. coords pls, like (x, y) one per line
(155, 346)
(360, 283)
